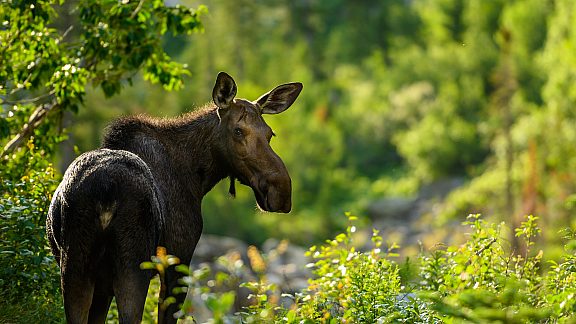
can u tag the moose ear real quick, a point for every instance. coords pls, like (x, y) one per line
(224, 90)
(280, 98)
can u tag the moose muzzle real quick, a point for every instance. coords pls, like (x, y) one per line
(273, 191)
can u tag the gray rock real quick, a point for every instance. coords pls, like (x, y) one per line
(439, 189)
(210, 247)
(391, 208)
(404, 220)
(286, 267)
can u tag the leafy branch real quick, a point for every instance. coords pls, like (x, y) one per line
(117, 40)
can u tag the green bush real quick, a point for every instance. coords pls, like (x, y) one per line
(29, 276)
(478, 281)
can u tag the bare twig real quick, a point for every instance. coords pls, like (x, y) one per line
(492, 241)
(26, 100)
(20, 88)
(68, 30)
(138, 8)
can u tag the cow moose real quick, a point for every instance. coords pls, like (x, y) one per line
(143, 189)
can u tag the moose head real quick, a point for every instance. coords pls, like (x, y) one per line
(245, 141)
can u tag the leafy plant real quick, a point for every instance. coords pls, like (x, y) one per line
(29, 276)
(45, 71)
(478, 281)
(481, 281)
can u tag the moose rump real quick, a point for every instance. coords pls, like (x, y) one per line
(104, 220)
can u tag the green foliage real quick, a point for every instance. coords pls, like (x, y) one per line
(562, 283)
(29, 276)
(160, 262)
(216, 288)
(479, 281)
(352, 286)
(45, 71)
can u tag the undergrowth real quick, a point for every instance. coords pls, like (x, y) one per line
(479, 281)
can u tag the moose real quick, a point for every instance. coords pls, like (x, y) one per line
(143, 189)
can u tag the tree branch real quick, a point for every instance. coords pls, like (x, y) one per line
(68, 30)
(138, 8)
(26, 100)
(33, 122)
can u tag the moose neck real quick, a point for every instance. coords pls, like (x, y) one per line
(195, 138)
(181, 152)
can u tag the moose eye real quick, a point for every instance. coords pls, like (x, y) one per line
(238, 132)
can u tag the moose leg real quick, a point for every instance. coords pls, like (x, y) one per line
(77, 291)
(99, 308)
(77, 279)
(130, 290)
(135, 243)
(130, 283)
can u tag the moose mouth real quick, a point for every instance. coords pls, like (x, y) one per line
(270, 198)
(271, 201)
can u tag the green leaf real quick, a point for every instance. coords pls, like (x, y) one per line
(147, 265)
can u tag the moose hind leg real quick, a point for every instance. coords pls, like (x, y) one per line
(99, 308)
(77, 291)
(77, 280)
(131, 290)
(135, 243)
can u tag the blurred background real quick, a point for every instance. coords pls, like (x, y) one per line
(414, 113)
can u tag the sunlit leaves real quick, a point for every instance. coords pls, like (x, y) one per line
(125, 36)
(27, 268)
(106, 44)
(479, 281)
(350, 285)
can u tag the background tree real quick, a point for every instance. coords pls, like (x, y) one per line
(45, 72)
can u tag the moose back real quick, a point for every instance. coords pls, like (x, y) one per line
(144, 189)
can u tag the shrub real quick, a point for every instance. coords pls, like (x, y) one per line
(352, 286)
(478, 281)
(29, 276)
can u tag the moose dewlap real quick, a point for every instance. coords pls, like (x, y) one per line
(144, 187)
